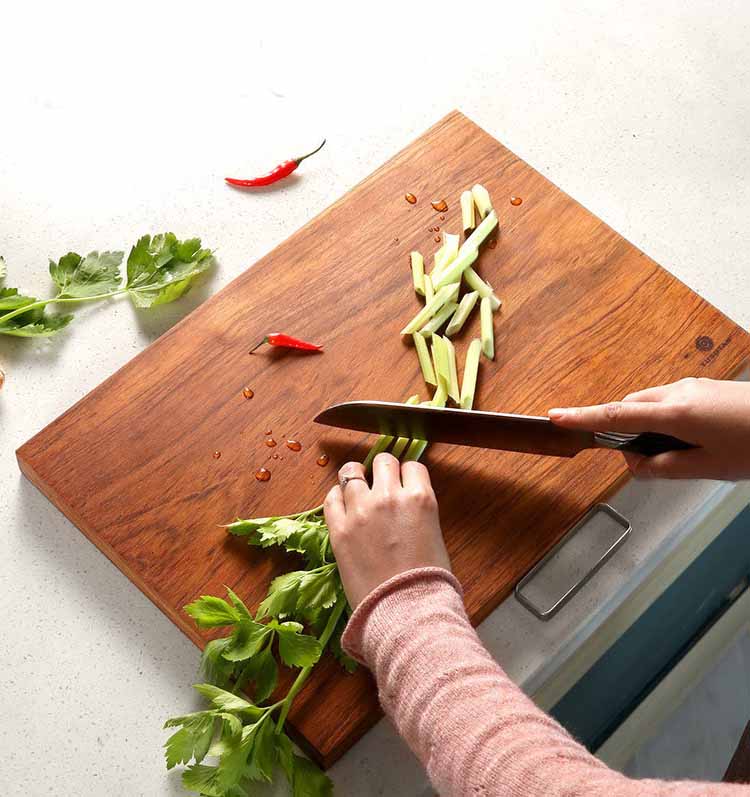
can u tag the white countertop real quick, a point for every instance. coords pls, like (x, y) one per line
(118, 120)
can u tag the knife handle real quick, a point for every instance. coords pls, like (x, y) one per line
(649, 444)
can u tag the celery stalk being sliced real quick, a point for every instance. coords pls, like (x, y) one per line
(450, 350)
(382, 443)
(488, 333)
(437, 321)
(476, 283)
(447, 293)
(417, 272)
(425, 363)
(467, 212)
(441, 394)
(453, 272)
(471, 370)
(482, 200)
(417, 447)
(428, 289)
(462, 313)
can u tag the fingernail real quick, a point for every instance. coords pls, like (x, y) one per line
(557, 413)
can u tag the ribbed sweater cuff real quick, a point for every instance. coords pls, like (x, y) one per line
(380, 612)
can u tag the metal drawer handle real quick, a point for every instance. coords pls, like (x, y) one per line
(547, 613)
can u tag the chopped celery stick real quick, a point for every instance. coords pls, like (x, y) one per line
(467, 212)
(471, 369)
(481, 232)
(437, 259)
(440, 359)
(453, 272)
(462, 313)
(482, 199)
(488, 333)
(417, 272)
(438, 320)
(445, 294)
(450, 351)
(382, 443)
(423, 353)
(446, 254)
(476, 283)
(441, 394)
(428, 289)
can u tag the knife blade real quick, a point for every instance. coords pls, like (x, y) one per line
(526, 434)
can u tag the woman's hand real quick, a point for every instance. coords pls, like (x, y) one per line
(711, 414)
(379, 532)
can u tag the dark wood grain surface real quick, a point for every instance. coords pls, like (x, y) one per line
(587, 317)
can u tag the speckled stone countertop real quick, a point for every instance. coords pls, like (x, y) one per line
(123, 119)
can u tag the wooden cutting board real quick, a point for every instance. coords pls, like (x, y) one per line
(587, 317)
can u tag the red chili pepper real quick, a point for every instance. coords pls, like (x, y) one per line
(282, 170)
(287, 342)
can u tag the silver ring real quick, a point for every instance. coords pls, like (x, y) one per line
(346, 479)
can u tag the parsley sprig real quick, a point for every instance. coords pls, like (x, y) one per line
(160, 269)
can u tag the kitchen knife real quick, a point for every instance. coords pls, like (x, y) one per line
(524, 433)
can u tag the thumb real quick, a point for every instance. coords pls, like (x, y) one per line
(696, 463)
(618, 416)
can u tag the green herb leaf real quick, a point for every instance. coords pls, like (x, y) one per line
(214, 667)
(304, 777)
(95, 274)
(334, 645)
(191, 741)
(161, 269)
(246, 640)
(43, 327)
(319, 589)
(295, 648)
(3, 269)
(10, 299)
(302, 593)
(263, 671)
(263, 754)
(226, 700)
(211, 612)
(205, 780)
(239, 605)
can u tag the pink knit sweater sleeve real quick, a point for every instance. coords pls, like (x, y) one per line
(472, 728)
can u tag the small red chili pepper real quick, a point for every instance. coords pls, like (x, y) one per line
(282, 170)
(287, 342)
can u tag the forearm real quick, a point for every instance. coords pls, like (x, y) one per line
(473, 729)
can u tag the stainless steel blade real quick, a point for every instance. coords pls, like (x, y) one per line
(523, 433)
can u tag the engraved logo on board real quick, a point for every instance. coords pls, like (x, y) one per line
(704, 343)
(714, 351)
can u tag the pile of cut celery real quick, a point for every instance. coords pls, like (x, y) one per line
(444, 310)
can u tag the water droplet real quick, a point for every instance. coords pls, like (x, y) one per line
(322, 460)
(516, 200)
(440, 206)
(275, 456)
(437, 239)
(492, 243)
(442, 218)
(437, 229)
(270, 442)
(217, 454)
(248, 393)
(411, 199)
(267, 432)
(262, 474)
(294, 445)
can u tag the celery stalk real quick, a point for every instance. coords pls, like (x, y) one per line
(441, 394)
(482, 231)
(446, 254)
(382, 443)
(417, 272)
(429, 292)
(471, 370)
(462, 313)
(450, 350)
(476, 283)
(442, 365)
(445, 294)
(488, 333)
(482, 199)
(417, 447)
(453, 272)
(467, 212)
(423, 354)
(438, 320)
